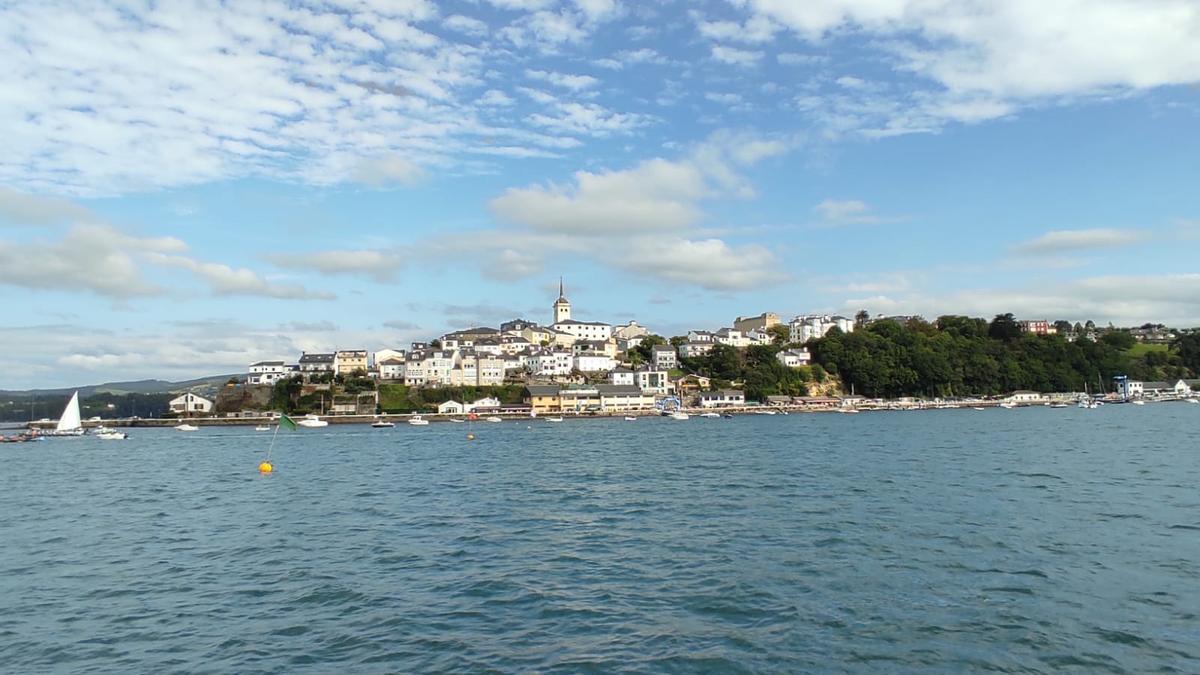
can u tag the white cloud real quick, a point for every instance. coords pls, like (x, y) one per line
(1065, 241)
(392, 169)
(848, 212)
(709, 263)
(724, 98)
(226, 280)
(89, 258)
(1017, 48)
(757, 29)
(572, 82)
(24, 209)
(734, 56)
(494, 98)
(599, 10)
(589, 119)
(380, 265)
(794, 59)
(465, 25)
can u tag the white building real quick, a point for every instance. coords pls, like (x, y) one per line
(724, 398)
(450, 408)
(585, 330)
(629, 331)
(386, 354)
(391, 369)
(701, 336)
(653, 381)
(622, 377)
(269, 372)
(731, 337)
(550, 363)
(190, 404)
(350, 361)
(690, 350)
(594, 363)
(316, 363)
(664, 357)
(810, 327)
(795, 358)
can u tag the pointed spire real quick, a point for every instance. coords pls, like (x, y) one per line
(561, 294)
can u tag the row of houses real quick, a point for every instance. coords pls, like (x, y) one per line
(1135, 389)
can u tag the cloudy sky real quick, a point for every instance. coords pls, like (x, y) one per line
(186, 188)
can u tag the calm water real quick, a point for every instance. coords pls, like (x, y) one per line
(1024, 540)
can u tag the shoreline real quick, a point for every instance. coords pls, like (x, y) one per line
(403, 418)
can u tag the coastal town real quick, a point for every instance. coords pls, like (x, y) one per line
(578, 367)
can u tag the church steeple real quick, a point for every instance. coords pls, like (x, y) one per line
(562, 306)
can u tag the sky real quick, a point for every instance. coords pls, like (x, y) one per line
(188, 187)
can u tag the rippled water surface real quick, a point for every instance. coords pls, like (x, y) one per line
(1022, 540)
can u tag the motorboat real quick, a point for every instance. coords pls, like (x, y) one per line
(494, 419)
(728, 416)
(977, 408)
(710, 415)
(111, 435)
(548, 419)
(418, 421)
(312, 422)
(1060, 404)
(263, 427)
(382, 424)
(457, 419)
(680, 416)
(629, 418)
(186, 427)
(1139, 402)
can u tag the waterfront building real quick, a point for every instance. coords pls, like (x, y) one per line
(543, 398)
(190, 404)
(269, 372)
(722, 398)
(623, 398)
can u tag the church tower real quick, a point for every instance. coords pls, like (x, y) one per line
(562, 307)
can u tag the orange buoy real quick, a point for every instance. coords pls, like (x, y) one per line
(265, 467)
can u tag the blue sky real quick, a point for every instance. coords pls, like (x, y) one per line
(187, 188)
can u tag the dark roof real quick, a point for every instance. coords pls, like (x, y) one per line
(663, 348)
(542, 389)
(267, 363)
(392, 362)
(316, 358)
(618, 389)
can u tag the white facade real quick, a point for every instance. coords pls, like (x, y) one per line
(724, 398)
(701, 336)
(622, 377)
(664, 357)
(450, 408)
(386, 354)
(811, 327)
(550, 363)
(653, 381)
(191, 404)
(268, 372)
(392, 369)
(594, 363)
(731, 337)
(629, 331)
(585, 330)
(690, 350)
(794, 358)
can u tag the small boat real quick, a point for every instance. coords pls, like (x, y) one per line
(382, 424)
(548, 419)
(783, 412)
(1060, 404)
(457, 419)
(977, 408)
(1138, 402)
(312, 422)
(110, 435)
(492, 419)
(418, 421)
(764, 412)
(727, 416)
(679, 416)
(630, 419)
(263, 427)
(710, 415)
(849, 411)
(1193, 400)
(186, 427)
(69, 424)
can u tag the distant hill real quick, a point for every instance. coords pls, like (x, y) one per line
(210, 383)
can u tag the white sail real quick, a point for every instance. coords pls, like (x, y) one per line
(70, 419)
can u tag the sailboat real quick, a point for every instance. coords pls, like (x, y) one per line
(70, 423)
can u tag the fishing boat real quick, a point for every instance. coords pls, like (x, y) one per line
(69, 423)
(418, 421)
(382, 424)
(312, 422)
(186, 427)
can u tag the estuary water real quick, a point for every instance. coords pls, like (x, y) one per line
(1028, 540)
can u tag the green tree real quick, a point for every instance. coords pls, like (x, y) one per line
(1004, 327)
(1187, 349)
(780, 334)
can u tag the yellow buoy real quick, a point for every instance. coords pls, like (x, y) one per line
(265, 467)
(470, 437)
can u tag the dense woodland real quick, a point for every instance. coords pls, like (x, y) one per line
(954, 356)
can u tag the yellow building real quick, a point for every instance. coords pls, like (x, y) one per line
(543, 399)
(347, 361)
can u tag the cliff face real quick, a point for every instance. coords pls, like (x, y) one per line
(242, 397)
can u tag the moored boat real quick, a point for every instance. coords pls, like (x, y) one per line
(382, 424)
(418, 421)
(312, 422)
(186, 427)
